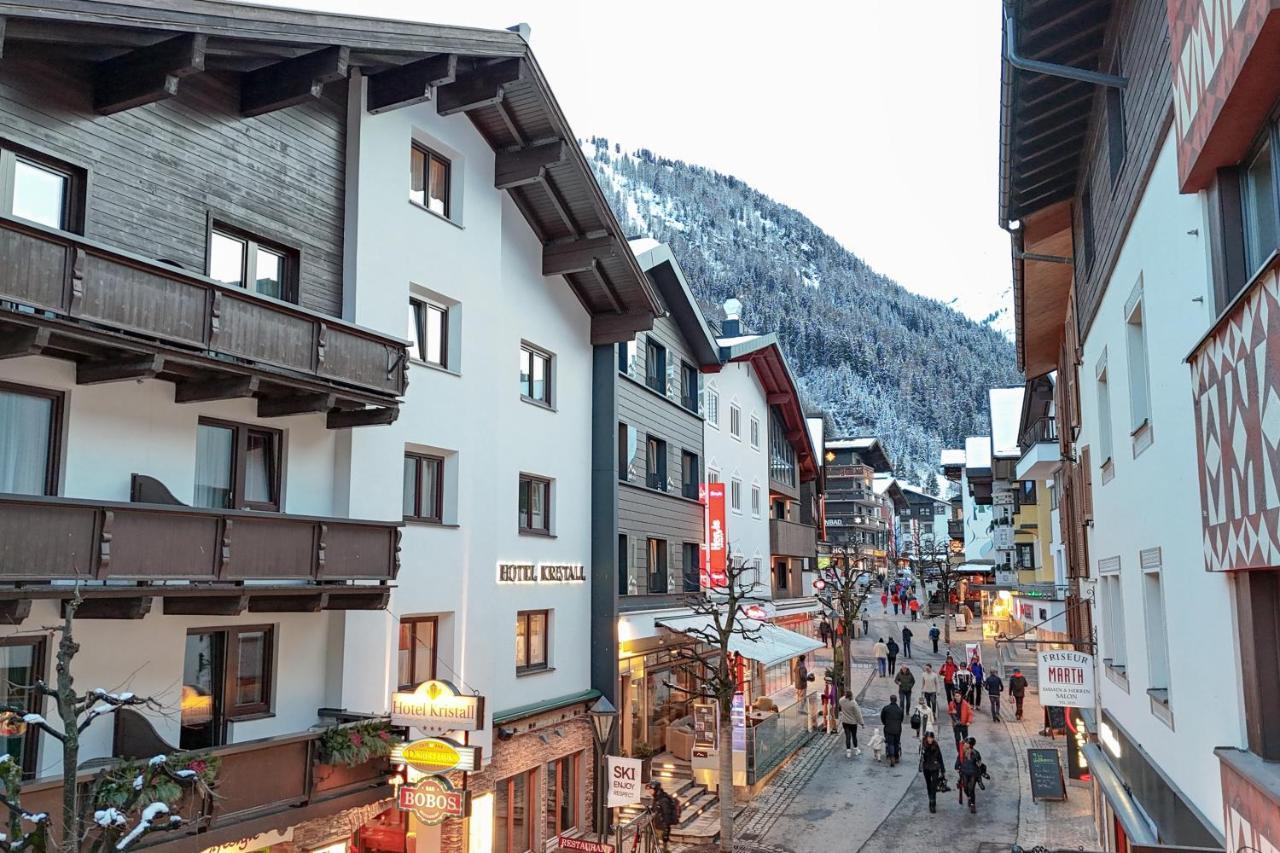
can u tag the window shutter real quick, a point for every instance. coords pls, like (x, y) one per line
(1086, 486)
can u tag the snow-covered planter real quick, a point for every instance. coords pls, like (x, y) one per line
(138, 782)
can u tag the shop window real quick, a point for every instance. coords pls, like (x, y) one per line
(242, 259)
(531, 640)
(22, 662)
(535, 505)
(515, 808)
(226, 675)
(417, 654)
(29, 429)
(430, 175)
(237, 466)
(423, 487)
(563, 798)
(42, 190)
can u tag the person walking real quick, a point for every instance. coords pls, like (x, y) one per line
(975, 669)
(802, 679)
(850, 719)
(967, 762)
(881, 653)
(906, 683)
(995, 686)
(962, 683)
(948, 672)
(914, 605)
(884, 601)
(892, 647)
(894, 599)
(931, 766)
(1018, 690)
(665, 813)
(824, 632)
(934, 635)
(906, 641)
(926, 718)
(891, 718)
(929, 682)
(866, 621)
(961, 713)
(829, 699)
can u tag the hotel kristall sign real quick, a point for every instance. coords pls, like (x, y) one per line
(549, 573)
(437, 706)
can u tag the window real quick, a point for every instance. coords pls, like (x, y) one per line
(655, 365)
(1139, 386)
(41, 190)
(535, 505)
(535, 375)
(688, 386)
(1104, 415)
(429, 180)
(531, 640)
(657, 565)
(624, 565)
(1086, 227)
(1113, 619)
(514, 813)
(735, 420)
(429, 332)
(1026, 555)
(626, 437)
(656, 464)
(22, 662)
(237, 466)
(713, 407)
(29, 429)
(755, 432)
(226, 675)
(1261, 230)
(1115, 121)
(562, 795)
(692, 554)
(755, 501)
(1027, 493)
(626, 356)
(780, 575)
(782, 456)
(241, 259)
(713, 476)
(423, 487)
(690, 474)
(1157, 634)
(735, 495)
(417, 655)
(1258, 621)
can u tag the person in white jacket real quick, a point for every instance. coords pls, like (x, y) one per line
(928, 719)
(930, 684)
(881, 653)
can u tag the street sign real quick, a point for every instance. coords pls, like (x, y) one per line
(1066, 679)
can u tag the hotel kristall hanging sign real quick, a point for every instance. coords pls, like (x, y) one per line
(437, 706)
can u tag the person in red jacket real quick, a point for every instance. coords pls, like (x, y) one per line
(948, 672)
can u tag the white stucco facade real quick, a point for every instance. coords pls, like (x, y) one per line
(1145, 544)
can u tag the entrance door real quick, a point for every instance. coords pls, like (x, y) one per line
(203, 678)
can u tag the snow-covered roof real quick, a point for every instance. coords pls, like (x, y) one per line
(952, 456)
(863, 443)
(977, 451)
(640, 245)
(1006, 415)
(880, 483)
(916, 490)
(740, 339)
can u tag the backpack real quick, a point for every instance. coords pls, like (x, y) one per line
(915, 719)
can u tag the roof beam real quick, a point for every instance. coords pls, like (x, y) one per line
(292, 81)
(204, 390)
(119, 370)
(504, 112)
(776, 399)
(576, 255)
(27, 341)
(147, 74)
(348, 418)
(610, 292)
(411, 83)
(527, 165)
(295, 404)
(232, 604)
(561, 206)
(2, 28)
(480, 88)
(616, 328)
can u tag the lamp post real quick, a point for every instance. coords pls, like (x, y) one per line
(603, 718)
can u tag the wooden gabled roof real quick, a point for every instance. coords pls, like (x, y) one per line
(142, 49)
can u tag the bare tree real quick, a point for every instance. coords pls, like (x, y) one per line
(933, 559)
(709, 663)
(846, 585)
(137, 812)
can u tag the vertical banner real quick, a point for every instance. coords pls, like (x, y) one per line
(625, 786)
(712, 573)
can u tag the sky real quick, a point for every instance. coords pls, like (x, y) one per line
(878, 119)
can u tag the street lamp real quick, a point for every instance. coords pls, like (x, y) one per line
(603, 718)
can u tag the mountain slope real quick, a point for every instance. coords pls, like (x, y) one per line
(876, 358)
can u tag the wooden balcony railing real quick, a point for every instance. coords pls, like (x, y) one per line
(54, 538)
(1044, 429)
(109, 296)
(792, 539)
(275, 782)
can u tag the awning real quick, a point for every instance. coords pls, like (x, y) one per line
(1135, 824)
(771, 645)
(974, 568)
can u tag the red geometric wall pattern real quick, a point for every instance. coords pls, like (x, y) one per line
(1236, 383)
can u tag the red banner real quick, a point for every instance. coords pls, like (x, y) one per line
(712, 574)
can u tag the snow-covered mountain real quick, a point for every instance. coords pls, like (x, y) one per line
(876, 358)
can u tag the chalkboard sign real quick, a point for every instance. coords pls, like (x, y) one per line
(1057, 718)
(1046, 775)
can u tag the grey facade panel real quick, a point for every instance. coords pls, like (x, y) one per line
(157, 173)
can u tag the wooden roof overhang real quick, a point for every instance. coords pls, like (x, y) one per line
(664, 271)
(142, 49)
(1044, 119)
(1042, 272)
(781, 392)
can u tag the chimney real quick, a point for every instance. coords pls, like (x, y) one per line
(522, 28)
(731, 326)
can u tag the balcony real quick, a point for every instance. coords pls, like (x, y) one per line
(122, 317)
(792, 539)
(1041, 453)
(262, 785)
(955, 528)
(230, 560)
